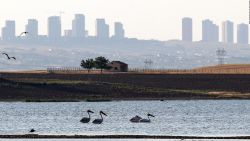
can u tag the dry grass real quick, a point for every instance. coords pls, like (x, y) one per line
(226, 69)
(220, 69)
(25, 72)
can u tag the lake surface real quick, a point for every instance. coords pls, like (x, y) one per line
(107, 140)
(201, 118)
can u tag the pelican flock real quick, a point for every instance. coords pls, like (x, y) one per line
(136, 119)
(96, 121)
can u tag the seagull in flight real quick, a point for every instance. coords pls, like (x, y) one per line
(14, 58)
(23, 33)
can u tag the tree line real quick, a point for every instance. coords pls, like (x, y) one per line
(98, 63)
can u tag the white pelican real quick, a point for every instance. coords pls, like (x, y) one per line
(86, 119)
(99, 121)
(147, 120)
(135, 119)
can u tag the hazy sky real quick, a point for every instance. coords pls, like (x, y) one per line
(145, 19)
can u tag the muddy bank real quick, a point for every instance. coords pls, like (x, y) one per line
(106, 87)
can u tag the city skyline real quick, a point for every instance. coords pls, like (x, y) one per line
(211, 32)
(160, 18)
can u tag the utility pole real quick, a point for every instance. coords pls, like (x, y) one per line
(148, 63)
(221, 53)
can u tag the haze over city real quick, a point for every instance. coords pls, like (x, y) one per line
(149, 19)
(57, 32)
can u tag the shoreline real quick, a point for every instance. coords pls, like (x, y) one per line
(120, 100)
(36, 136)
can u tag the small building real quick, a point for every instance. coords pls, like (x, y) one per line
(118, 66)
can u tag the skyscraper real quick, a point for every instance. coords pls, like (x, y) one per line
(32, 29)
(119, 31)
(102, 29)
(210, 31)
(227, 32)
(78, 26)
(54, 28)
(242, 34)
(9, 31)
(187, 29)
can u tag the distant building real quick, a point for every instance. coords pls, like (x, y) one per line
(78, 26)
(68, 33)
(187, 29)
(118, 66)
(54, 28)
(119, 31)
(228, 32)
(210, 31)
(9, 31)
(32, 29)
(242, 34)
(102, 29)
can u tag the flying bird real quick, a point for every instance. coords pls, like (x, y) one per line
(9, 56)
(23, 33)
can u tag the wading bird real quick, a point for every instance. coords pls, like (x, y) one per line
(99, 121)
(9, 56)
(147, 120)
(135, 119)
(86, 119)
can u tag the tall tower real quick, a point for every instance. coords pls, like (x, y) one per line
(228, 32)
(54, 28)
(9, 31)
(187, 29)
(210, 31)
(119, 31)
(78, 26)
(102, 29)
(242, 34)
(32, 28)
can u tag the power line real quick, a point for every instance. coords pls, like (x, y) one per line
(221, 54)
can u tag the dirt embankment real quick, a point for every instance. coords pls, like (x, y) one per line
(69, 87)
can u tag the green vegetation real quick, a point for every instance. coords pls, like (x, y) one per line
(98, 63)
(88, 64)
(101, 63)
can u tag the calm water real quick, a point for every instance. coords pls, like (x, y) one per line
(107, 140)
(203, 118)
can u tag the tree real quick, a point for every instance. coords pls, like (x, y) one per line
(88, 64)
(101, 63)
